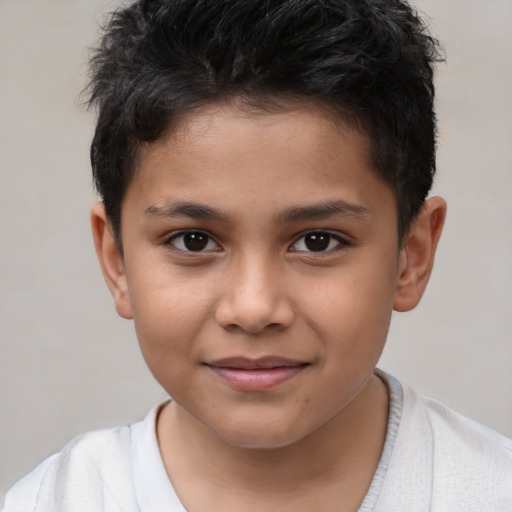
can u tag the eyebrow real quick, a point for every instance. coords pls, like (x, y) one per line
(317, 211)
(324, 210)
(186, 209)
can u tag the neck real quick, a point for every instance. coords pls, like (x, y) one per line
(344, 452)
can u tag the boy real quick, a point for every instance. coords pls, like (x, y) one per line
(263, 168)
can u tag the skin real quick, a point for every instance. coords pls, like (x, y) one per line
(255, 187)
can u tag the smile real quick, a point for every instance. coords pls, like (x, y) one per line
(256, 374)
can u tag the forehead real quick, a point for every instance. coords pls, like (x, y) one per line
(240, 158)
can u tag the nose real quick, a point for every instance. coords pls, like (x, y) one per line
(254, 298)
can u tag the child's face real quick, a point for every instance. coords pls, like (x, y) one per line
(261, 261)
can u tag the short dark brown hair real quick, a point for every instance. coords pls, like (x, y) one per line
(370, 60)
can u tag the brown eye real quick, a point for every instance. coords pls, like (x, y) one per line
(193, 241)
(317, 241)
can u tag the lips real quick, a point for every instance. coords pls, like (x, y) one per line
(256, 374)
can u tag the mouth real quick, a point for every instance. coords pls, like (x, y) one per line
(256, 374)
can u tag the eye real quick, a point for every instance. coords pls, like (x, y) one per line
(193, 241)
(318, 241)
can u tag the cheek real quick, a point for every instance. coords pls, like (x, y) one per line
(352, 307)
(168, 315)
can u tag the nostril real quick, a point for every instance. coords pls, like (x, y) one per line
(253, 318)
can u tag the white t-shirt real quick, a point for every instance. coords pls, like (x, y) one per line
(433, 460)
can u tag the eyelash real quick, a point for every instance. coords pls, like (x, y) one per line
(181, 234)
(341, 242)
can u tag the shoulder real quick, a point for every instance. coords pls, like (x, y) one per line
(92, 472)
(475, 457)
(456, 436)
(448, 461)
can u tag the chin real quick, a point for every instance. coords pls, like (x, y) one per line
(258, 437)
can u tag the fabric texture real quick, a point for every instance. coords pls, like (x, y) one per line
(433, 460)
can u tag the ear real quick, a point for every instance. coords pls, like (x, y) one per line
(111, 260)
(417, 254)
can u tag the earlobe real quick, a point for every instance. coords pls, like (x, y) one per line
(111, 260)
(417, 254)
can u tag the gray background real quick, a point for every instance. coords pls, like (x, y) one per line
(69, 364)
